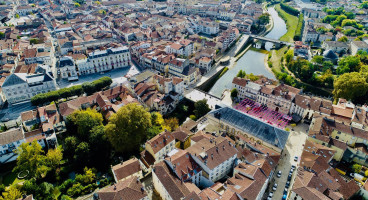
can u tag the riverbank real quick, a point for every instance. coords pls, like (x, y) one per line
(291, 24)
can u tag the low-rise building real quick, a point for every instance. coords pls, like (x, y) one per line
(130, 188)
(356, 46)
(127, 169)
(160, 145)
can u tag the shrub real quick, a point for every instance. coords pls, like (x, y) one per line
(192, 117)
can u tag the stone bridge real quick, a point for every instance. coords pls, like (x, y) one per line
(277, 43)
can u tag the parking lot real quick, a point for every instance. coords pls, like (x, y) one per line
(294, 147)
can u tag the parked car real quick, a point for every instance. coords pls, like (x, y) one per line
(293, 167)
(279, 174)
(287, 184)
(271, 194)
(274, 187)
(296, 158)
(289, 177)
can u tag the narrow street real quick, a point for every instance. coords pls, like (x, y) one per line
(294, 147)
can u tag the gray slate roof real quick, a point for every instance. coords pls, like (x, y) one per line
(253, 126)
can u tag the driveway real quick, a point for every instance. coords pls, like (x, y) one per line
(294, 147)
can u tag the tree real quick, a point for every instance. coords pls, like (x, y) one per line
(126, 129)
(201, 108)
(171, 124)
(82, 153)
(241, 74)
(77, 5)
(70, 144)
(350, 86)
(100, 148)
(289, 55)
(234, 93)
(54, 157)
(11, 194)
(264, 19)
(17, 16)
(349, 64)
(34, 41)
(85, 120)
(318, 59)
(356, 168)
(343, 39)
(31, 158)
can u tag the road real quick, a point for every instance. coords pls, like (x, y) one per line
(294, 147)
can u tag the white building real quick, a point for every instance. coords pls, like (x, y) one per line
(20, 87)
(97, 61)
(216, 156)
(160, 145)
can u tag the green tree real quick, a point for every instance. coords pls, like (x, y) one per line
(69, 146)
(34, 41)
(100, 147)
(349, 64)
(264, 19)
(289, 55)
(11, 194)
(84, 121)
(82, 153)
(318, 59)
(77, 5)
(31, 158)
(234, 93)
(17, 16)
(54, 157)
(350, 86)
(241, 74)
(201, 108)
(126, 129)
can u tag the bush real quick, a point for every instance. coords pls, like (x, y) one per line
(289, 9)
(356, 168)
(192, 117)
(77, 90)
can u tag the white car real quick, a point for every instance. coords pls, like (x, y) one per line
(274, 187)
(279, 174)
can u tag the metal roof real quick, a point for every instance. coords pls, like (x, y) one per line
(252, 126)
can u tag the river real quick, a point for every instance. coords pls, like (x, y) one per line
(251, 61)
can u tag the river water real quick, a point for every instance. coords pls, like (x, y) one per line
(251, 61)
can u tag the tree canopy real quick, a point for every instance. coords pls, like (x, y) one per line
(201, 108)
(350, 86)
(127, 129)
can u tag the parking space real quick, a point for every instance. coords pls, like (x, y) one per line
(293, 148)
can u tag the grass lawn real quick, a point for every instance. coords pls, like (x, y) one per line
(276, 58)
(291, 24)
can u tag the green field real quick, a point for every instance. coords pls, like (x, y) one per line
(291, 24)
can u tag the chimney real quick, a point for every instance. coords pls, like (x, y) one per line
(217, 149)
(114, 187)
(212, 156)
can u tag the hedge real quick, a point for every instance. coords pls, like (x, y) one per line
(289, 9)
(77, 90)
(299, 28)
